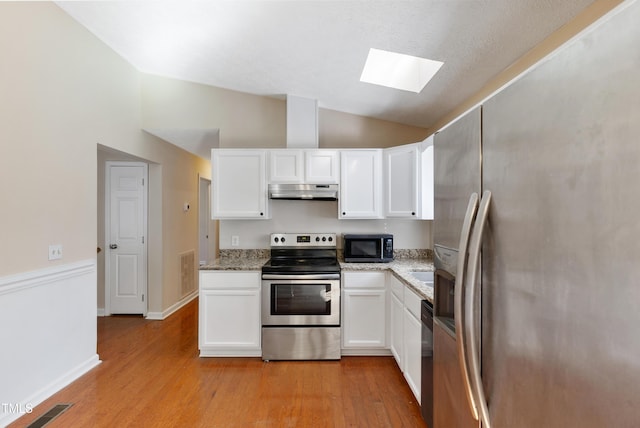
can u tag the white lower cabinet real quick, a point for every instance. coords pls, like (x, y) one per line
(396, 320)
(364, 313)
(229, 314)
(412, 343)
(406, 332)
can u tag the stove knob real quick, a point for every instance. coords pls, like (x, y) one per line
(276, 239)
(317, 239)
(330, 239)
(282, 239)
(324, 238)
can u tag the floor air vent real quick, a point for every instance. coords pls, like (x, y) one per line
(51, 414)
(187, 272)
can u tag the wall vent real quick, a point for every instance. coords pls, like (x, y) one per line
(187, 272)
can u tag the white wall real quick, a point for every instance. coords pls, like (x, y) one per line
(48, 333)
(320, 216)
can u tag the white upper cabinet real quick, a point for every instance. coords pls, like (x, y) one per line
(286, 166)
(304, 166)
(361, 184)
(239, 184)
(409, 180)
(401, 181)
(321, 166)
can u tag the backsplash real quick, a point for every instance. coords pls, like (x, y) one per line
(320, 217)
(400, 254)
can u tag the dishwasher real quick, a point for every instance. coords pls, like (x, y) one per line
(426, 316)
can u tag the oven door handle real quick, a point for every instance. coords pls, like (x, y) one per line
(320, 276)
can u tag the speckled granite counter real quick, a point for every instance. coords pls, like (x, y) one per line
(401, 269)
(238, 260)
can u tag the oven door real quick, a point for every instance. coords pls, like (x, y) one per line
(289, 300)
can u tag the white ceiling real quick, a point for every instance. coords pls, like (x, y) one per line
(317, 49)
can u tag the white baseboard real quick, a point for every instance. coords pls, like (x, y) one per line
(173, 308)
(50, 389)
(369, 352)
(101, 312)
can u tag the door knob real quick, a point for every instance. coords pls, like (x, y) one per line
(113, 246)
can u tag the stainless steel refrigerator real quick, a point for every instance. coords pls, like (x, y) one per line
(547, 314)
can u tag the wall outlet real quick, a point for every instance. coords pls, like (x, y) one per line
(55, 252)
(235, 240)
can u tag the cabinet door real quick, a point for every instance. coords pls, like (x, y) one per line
(413, 352)
(229, 314)
(401, 181)
(364, 323)
(286, 166)
(239, 184)
(322, 167)
(360, 184)
(396, 319)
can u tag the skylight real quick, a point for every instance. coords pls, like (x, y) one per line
(399, 71)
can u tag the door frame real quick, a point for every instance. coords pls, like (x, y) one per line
(107, 233)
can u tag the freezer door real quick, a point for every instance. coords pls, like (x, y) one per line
(561, 311)
(450, 405)
(456, 169)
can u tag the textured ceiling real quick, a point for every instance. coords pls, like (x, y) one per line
(317, 49)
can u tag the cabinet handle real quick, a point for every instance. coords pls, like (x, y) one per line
(343, 213)
(261, 213)
(413, 213)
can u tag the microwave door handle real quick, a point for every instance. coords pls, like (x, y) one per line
(472, 302)
(458, 309)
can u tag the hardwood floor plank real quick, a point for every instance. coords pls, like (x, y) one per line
(151, 376)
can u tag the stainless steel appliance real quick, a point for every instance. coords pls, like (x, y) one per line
(426, 383)
(301, 298)
(369, 248)
(545, 288)
(321, 192)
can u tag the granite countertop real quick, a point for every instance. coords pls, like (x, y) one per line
(238, 260)
(400, 267)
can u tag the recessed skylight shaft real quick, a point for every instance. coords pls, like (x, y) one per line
(399, 71)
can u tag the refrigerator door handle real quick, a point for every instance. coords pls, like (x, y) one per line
(458, 309)
(471, 302)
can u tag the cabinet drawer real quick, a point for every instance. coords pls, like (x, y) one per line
(363, 279)
(229, 279)
(412, 302)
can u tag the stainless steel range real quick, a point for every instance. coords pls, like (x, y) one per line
(301, 298)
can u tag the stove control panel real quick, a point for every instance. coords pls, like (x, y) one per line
(303, 240)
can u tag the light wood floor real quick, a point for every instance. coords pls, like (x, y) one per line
(151, 376)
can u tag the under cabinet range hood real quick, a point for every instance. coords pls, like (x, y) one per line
(321, 192)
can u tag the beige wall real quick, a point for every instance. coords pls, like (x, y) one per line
(344, 130)
(64, 93)
(250, 121)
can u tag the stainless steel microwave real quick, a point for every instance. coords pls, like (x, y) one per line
(372, 248)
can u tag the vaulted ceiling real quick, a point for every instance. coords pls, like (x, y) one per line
(317, 49)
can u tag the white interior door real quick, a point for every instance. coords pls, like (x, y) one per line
(126, 229)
